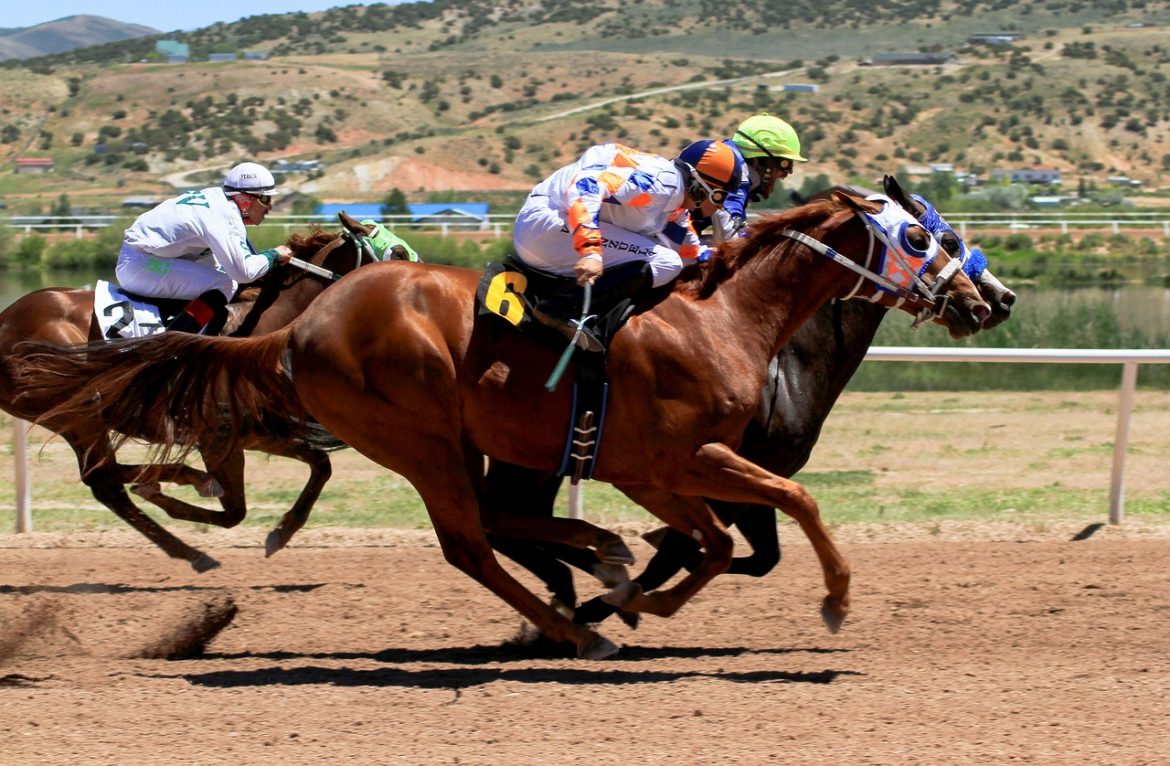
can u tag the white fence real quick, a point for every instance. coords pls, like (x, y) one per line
(1128, 358)
(500, 224)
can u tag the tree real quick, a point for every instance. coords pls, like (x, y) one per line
(394, 203)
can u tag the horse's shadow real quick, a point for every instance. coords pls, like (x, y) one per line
(481, 666)
(86, 588)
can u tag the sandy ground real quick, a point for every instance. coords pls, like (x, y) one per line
(365, 647)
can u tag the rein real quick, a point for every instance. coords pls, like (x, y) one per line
(924, 294)
(360, 244)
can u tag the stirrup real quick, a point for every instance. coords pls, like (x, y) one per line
(586, 340)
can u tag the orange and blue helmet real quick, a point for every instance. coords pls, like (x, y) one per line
(711, 169)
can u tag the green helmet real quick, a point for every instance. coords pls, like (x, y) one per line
(763, 135)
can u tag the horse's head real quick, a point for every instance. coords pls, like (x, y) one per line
(909, 271)
(1000, 298)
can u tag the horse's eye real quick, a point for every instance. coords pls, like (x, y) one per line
(949, 242)
(917, 238)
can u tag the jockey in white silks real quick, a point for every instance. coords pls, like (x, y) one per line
(195, 247)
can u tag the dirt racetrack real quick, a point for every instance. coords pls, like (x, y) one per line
(966, 646)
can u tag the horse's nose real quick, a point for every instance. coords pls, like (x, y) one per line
(981, 312)
(1008, 299)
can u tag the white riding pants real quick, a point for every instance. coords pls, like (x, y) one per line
(543, 241)
(154, 277)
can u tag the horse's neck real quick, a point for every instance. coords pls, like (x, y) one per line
(289, 304)
(772, 295)
(813, 368)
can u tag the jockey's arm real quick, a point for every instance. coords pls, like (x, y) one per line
(237, 259)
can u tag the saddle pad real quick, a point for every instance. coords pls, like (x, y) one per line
(119, 316)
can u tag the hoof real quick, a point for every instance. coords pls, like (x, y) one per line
(622, 594)
(597, 648)
(148, 490)
(629, 618)
(615, 552)
(611, 575)
(204, 563)
(274, 542)
(209, 487)
(654, 537)
(833, 612)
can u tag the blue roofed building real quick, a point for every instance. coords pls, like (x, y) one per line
(464, 214)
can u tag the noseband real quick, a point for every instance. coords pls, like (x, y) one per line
(929, 295)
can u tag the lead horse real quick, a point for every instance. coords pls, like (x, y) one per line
(803, 383)
(394, 362)
(64, 317)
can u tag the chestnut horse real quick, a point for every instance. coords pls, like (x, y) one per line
(394, 362)
(803, 383)
(64, 317)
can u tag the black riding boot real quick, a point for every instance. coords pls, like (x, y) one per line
(207, 312)
(616, 291)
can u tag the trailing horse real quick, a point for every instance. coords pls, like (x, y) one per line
(63, 317)
(394, 362)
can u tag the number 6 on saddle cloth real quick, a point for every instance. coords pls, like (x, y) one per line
(520, 294)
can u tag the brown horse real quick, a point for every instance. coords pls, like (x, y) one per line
(394, 362)
(64, 317)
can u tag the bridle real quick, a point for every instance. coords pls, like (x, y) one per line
(930, 296)
(362, 246)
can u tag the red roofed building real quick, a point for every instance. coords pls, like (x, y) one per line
(34, 164)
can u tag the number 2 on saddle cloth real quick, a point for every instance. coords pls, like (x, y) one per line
(509, 290)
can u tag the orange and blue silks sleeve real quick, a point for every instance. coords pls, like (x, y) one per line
(682, 234)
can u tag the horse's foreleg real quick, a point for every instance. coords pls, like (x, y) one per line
(229, 477)
(146, 479)
(692, 516)
(757, 524)
(610, 548)
(717, 472)
(320, 470)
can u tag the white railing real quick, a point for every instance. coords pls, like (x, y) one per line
(500, 224)
(1128, 358)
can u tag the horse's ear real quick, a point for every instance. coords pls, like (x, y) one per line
(895, 192)
(857, 203)
(352, 224)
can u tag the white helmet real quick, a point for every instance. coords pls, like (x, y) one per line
(251, 178)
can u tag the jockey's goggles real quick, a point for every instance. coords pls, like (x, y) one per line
(263, 199)
(716, 195)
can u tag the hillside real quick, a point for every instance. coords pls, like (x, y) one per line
(483, 98)
(65, 34)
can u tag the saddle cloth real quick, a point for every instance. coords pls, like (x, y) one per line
(120, 315)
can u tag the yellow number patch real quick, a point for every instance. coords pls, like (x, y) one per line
(502, 297)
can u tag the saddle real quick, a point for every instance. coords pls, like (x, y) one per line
(549, 307)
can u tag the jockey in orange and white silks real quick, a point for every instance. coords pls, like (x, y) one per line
(196, 242)
(616, 205)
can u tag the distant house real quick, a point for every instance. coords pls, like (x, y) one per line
(34, 164)
(173, 51)
(296, 166)
(800, 87)
(915, 59)
(994, 38)
(223, 56)
(255, 55)
(143, 203)
(1027, 175)
(440, 213)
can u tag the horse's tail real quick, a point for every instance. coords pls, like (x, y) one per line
(168, 388)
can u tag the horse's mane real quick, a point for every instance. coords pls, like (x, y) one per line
(764, 235)
(305, 245)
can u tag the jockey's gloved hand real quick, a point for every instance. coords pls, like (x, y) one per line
(704, 254)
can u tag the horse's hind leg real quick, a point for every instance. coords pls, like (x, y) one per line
(320, 470)
(103, 476)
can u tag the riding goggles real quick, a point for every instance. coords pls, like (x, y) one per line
(718, 195)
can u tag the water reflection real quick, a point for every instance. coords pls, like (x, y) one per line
(14, 284)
